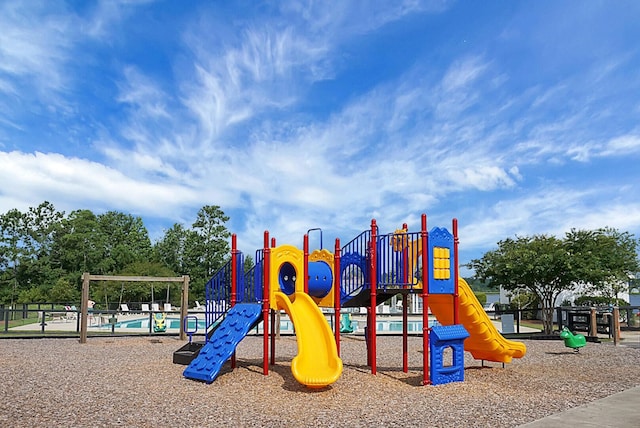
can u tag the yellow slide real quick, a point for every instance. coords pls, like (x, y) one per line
(484, 342)
(317, 363)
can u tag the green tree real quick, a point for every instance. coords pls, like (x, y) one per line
(13, 251)
(206, 247)
(170, 250)
(39, 268)
(248, 263)
(63, 291)
(27, 270)
(142, 291)
(79, 245)
(212, 240)
(103, 244)
(198, 252)
(603, 259)
(125, 240)
(540, 264)
(42, 222)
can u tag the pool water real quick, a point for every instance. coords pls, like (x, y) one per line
(172, 323)
(381, 326)
(412, 326)
(286, 325)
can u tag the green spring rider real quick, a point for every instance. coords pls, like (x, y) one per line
(574, 341)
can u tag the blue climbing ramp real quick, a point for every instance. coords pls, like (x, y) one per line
(235, 326)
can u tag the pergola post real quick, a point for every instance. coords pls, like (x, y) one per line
(184, 305)
(84, 305)
(87, 278)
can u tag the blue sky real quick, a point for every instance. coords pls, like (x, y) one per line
(517, 118)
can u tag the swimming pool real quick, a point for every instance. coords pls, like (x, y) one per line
(386, 326)
(172, 323)
(286, 326)
(396, 326)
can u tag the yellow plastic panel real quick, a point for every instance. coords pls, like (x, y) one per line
(317, 363)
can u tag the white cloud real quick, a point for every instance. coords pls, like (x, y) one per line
(35, 44)
(107, 14)
(143, 95)
(73, 183)
(221, 125)
(332, 20)
(462, 73)
(622, 146)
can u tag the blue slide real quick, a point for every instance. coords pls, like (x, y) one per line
(235, 326)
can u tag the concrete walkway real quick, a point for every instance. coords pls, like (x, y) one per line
(617, 410)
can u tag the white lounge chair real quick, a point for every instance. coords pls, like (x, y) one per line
(71, 313)
(145, 307)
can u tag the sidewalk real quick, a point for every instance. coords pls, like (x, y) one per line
(630, 339)
(617, 410)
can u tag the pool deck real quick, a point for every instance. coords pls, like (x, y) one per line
(99, 323)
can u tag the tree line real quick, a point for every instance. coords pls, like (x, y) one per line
(43, 253)
(602, 262)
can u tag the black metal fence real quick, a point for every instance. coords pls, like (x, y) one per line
(56, 319)
(53, 319)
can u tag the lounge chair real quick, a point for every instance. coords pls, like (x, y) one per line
(71, 313)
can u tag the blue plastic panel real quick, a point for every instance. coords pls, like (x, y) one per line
(218, 350)
(441, 262)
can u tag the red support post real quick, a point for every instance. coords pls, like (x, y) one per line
(336, 292)
(405, 317)
(273, 320)
(456, 296)
(405, 338)
(234, 269)
(234, 282)
(374, 291)
(424, 236)
(305, 263)
(265, 303)
(274, 326)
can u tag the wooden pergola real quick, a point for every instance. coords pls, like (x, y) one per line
(87, 278)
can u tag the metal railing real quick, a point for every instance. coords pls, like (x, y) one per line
(66, 323)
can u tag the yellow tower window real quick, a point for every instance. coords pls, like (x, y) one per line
(441, 263)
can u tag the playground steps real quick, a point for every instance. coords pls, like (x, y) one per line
(190, 351)
(240, 319)
(187, 353)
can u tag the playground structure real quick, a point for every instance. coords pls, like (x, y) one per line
(367, 271)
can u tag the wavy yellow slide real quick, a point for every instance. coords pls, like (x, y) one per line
(484, 342)
(317, 363)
